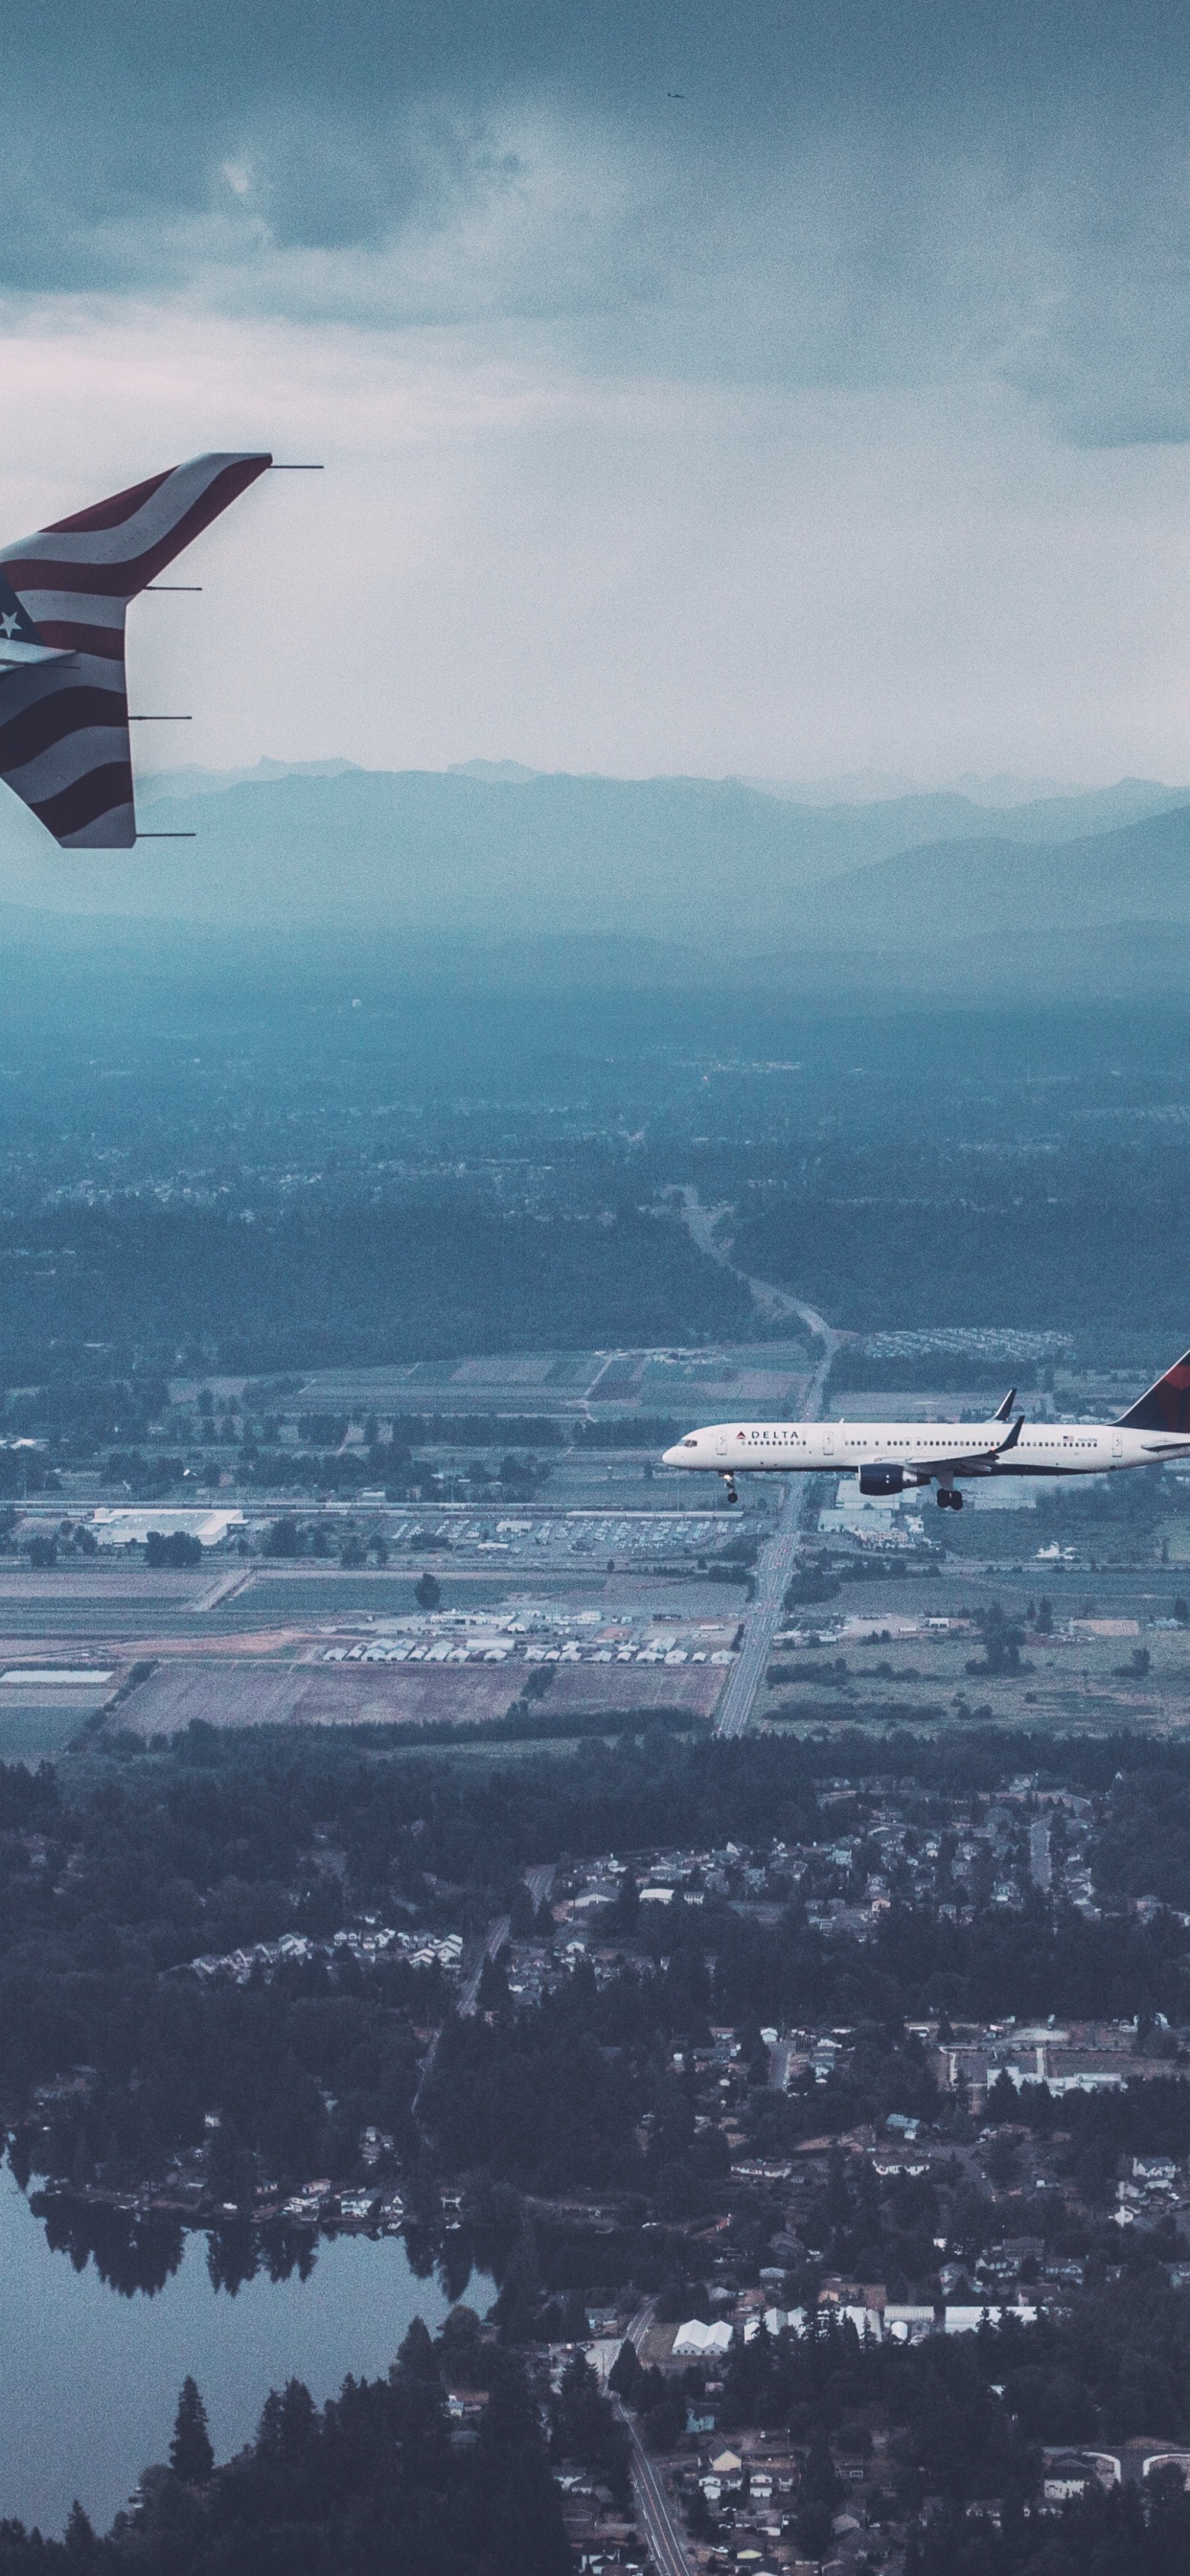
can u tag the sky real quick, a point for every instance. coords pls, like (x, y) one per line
(771, 389)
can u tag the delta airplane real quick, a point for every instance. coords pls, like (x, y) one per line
(889, 1457)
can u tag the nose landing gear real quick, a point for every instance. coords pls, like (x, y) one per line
(947, 1499)
(732, 1495)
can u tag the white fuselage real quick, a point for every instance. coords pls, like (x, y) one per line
(926, 1452)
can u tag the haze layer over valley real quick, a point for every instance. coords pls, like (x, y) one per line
(657, 877)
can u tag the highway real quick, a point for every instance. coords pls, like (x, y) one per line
(798, 1501)
(762, 1618)
(655, 2515)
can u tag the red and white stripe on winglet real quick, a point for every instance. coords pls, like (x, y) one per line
(64, 745)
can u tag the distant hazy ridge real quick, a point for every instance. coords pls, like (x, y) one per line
(721, 869)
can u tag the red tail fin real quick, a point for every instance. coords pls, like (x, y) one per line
(1165, 1406)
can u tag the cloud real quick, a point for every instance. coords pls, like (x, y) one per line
(853, 195)
(829, 411)
(616, 572)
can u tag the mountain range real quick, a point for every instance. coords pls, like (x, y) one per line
(640, 879)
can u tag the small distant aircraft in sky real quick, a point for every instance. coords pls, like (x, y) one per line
(64, 741)
(891, 1457)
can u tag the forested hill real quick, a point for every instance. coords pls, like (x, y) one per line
(355, 1284)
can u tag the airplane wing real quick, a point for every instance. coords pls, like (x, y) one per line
(981, 1462)
(64, 744)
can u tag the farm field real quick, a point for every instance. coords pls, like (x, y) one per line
(237, 1695)
(1081, 1681)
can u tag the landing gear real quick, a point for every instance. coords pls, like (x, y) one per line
(948, 1500)
(732, 1495)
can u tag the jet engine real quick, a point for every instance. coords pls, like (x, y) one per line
(884, 1480)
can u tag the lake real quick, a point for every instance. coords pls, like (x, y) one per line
(90, 2373)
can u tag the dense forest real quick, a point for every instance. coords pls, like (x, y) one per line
(283, 1288)
(369, 2481)
(972, 2415)
(119, 1870)
(334, 1157)
(872, 1245)
(118, 2064)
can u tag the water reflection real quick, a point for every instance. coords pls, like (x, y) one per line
(105, 2312)
(140, 2250)
(129, 2254)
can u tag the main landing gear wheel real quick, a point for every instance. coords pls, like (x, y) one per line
(948, 1500)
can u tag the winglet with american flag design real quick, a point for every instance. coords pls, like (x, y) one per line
(64, 746)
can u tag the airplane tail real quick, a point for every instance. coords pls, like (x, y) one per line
(64, 742)
(1165, 1406)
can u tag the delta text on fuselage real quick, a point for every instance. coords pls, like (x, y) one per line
(891, 1457)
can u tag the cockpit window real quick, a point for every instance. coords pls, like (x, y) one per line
(692, 1442)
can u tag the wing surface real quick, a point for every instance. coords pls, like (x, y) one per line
(64, 593)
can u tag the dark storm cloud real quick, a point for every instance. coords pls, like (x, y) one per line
(847, 195)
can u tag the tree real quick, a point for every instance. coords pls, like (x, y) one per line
(190, 2454)
(522, 1920)
(79, 2536)
(282, 1539)
(428, 1594)
(625, 1914)
(662, 2426)
(464, 2355)
(1003, 2161)
(493, 1986)
(837, 2198)
(820, 2478)
(175, 1548)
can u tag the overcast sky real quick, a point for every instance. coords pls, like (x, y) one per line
(758, 387)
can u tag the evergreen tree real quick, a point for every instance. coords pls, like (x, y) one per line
(190, 2454)
(79, 2537)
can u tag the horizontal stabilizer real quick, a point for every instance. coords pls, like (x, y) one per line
(1165, 1406)
(64, 744)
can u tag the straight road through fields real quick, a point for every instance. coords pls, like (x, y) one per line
(776, 1561)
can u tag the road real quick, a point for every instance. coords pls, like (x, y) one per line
(779, 2058)
(776, 1562)
(497, 1935)
(639, 2325)
(1040, 1865)
(658, 2523)
(539, 1882)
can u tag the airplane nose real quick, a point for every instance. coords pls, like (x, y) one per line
(671, 1457)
